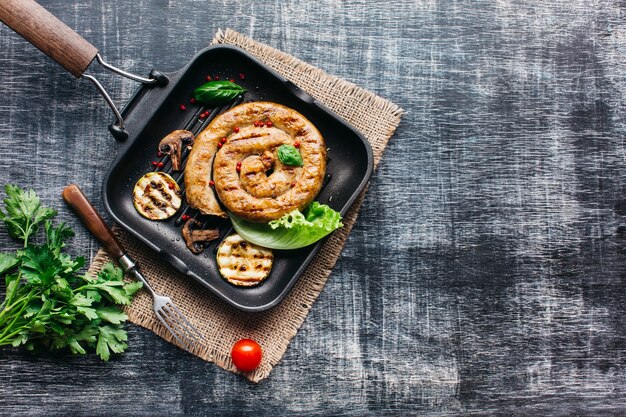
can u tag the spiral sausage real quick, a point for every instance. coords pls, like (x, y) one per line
(249, 178)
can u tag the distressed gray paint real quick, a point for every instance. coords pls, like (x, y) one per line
(486, 272)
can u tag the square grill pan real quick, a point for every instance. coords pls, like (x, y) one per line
(154, 112)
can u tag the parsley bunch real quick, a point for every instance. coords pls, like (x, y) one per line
(48, 304)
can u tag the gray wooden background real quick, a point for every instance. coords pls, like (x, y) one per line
(486, 272)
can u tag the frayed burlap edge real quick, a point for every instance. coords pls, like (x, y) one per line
(221, 324)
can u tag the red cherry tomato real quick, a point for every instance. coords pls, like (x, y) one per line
(246, 355)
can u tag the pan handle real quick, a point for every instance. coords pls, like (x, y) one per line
(68, 48)
(53, 37)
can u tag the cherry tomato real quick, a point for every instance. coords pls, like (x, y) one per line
(246, 355)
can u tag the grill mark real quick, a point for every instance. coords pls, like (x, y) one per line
(244, 279)
(252, 135)
(153, 191)
(161, 205)
(157, 203)
(164, 194)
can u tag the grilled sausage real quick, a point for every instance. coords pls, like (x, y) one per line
(249, 178)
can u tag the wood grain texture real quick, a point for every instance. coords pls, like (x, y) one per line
(49, 34)
(92, 220)
(486, 273)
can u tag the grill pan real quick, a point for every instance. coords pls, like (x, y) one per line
(153, 112)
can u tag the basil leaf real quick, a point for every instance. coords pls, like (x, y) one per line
(289, 155)
(215, 93)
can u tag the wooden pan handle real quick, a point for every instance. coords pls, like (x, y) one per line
(77, 200)
(49, 34)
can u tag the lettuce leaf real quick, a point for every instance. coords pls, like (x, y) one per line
(292, 231)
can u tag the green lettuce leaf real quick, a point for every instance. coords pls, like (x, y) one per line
(292, 231)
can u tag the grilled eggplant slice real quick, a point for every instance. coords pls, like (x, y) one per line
(243, 263)
(157, 196)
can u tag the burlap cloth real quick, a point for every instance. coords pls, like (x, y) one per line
(221, 324)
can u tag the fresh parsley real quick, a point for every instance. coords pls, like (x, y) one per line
(48, 304)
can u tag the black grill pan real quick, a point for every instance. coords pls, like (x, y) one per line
(154, 111)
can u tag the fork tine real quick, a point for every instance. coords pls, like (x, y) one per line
(161, 317)
(189, 326)
(182, 324)
(176, 319)
(188, 343)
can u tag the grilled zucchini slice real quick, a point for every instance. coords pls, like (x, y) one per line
(157, 196)
(243, 263)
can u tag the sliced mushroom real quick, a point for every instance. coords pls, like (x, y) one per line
(195, 238)
(173, 144)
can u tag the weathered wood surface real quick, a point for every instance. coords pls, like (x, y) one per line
(486, 272)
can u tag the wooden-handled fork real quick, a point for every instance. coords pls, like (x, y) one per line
(171, 317)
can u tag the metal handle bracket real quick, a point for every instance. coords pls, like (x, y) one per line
(117, 129)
